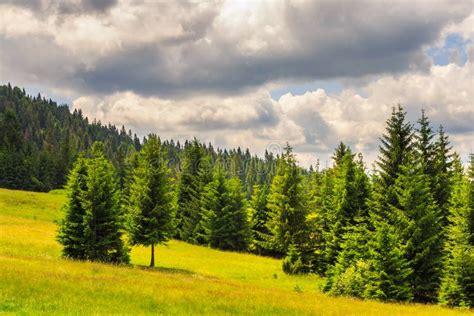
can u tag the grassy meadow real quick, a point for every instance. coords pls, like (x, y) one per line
(189, 279)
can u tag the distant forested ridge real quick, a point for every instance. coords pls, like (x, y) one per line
(40, 140)
(403, 232)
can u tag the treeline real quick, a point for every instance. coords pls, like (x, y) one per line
(403, 232)
(40, 140)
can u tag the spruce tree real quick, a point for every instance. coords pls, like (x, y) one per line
(346, 277)
(389, 272)
(71, 232)
(442, 181)
(350, 198)
(212, 205)
(151, 201)
(395, 151)
(425, 148)
(288, 209)
(418, 224)
(258, 217)
(224, 213)
(191, 184)
(236, 228)
(103, 224)
(457, 285)
(321, 207)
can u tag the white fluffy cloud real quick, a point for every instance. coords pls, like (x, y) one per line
(313, 122)
(173, 49)
(207, 69)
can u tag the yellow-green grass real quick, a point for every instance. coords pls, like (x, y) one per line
(189, 279)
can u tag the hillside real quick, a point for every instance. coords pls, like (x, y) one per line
(189, 279)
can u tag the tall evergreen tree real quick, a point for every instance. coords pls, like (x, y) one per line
(288, 208)
(151, 201)
(425, 148)
(224, 214)
(389, 274)
(71, 231)
(442, 181)
(417, 222)
(346, 276)
(351, 191)
(258, 213)
(396, 146)
(103, 224)
(457, 285)
(189, 194)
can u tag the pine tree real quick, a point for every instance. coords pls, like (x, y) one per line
(346, 277)
(189, 193)
(350, 196)
(457, 285)
(442, 180)
(258, 213)
(388, 275)
(237, 228)
(151, 201)
(212, 205)
(71, 232)
(321, 206)
(425, 148)
(341, 151)
(417, 222)
(288, 210)
(102, 211)
(396, 148)
(224, 213)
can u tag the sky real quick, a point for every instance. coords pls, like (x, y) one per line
(254, 74)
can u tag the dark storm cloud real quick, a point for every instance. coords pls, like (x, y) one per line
(325, 40)
(64, 7)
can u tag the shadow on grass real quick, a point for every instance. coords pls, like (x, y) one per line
(166, 270)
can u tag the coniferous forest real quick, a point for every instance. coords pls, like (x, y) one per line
(401, 231)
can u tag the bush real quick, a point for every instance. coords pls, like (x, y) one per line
(292, 263)
(352, 281)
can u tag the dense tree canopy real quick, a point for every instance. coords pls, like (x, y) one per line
(400, 233)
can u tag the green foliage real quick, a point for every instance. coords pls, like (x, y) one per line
(191, 184)
(258, 217)
(224, 213)
(350, 264)
(351, 190)
(390, 272)
(292, 262)
(71, 232)
(395, 151)
(92, 227)
(417, 221)
(40, 141)
(151, 202)
(287, 204)
(443, 173)
(457, 285)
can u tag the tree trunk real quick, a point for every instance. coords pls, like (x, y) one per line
(152, 262)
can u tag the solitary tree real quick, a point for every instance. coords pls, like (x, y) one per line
(151, 202)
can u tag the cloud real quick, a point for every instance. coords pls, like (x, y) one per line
(227, 48)
(207, 69)
(313, 123)
(64, 7)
